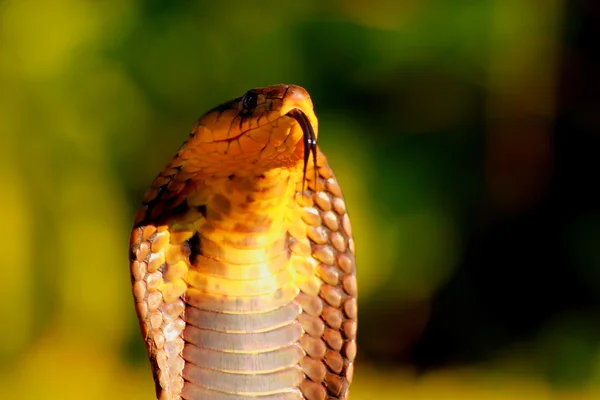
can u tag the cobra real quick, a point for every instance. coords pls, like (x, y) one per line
(242, 259)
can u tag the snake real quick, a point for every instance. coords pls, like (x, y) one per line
(242, 259)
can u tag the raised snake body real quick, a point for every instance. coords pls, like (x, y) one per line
(242, 259)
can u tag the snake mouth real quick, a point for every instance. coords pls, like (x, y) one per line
(308, 137)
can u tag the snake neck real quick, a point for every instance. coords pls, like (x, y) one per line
(242, 336)
(242, 242)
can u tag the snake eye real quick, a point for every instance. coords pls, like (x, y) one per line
(248, 102)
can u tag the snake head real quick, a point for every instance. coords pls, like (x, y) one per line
(266, 128)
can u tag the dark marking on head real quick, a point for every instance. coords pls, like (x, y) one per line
(202, 210)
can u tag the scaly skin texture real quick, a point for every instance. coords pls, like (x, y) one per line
(242, 260)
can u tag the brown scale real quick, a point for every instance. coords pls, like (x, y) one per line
(331, 342)
(242, 259)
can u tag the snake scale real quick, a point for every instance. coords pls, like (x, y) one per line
(242, 259)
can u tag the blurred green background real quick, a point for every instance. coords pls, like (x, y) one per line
(464, 134)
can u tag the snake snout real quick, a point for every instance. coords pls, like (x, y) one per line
(296, 93)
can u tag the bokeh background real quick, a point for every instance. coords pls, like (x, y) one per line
(464, 133)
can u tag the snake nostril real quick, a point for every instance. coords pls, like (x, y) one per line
(296, 93)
